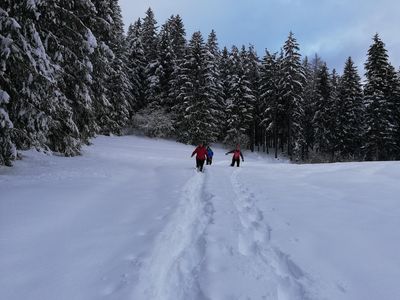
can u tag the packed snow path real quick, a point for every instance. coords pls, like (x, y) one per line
(132, 219)
(215, 245)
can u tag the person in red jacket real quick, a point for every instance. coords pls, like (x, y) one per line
(237, 154)
(201, 156)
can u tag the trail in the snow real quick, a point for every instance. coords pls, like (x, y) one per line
(173, 267)
(254, 240)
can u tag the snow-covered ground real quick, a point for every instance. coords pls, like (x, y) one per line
(132, 219)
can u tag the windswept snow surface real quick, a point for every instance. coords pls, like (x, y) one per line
(132, 219)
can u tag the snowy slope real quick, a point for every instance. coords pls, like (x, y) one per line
(132, 219)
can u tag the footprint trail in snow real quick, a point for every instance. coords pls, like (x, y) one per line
(217, 232)
(173, 267)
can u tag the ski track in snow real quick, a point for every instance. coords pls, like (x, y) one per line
(173, 267)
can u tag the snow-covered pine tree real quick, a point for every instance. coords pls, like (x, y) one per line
(240, 103)
(350, 113)
(27, 74)
(119, 86)
(252, 68)
(9, 28)
(41, 115)
(136, 63)
(325, 113)
(7, 146)
(63, 136)
(292, 84)
(269, 106)
(225, 71)
(195, 120)
(68, 25)
(149, 36)
(177, 34)
(167, 63)
(309, 107)
(394, 99)
(101, 59)
(213, 84)
(380, 141)
(153, 70)
(397, 114)
(247, 73)
(312, 70)
(334, 101)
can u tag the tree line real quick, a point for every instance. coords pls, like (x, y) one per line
(68, 72)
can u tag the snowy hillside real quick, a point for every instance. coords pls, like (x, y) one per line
(132, 219)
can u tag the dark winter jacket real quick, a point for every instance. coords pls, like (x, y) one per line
(201, 153)
(236, 154)
(210, 153)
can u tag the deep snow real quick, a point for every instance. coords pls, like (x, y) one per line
(132, 219)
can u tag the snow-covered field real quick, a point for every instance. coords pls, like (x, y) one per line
(132, 219)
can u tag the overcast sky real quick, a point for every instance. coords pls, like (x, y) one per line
(335, 29)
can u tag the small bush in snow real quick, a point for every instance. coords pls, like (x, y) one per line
(154, 122)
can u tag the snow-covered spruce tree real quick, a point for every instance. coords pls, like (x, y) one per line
(136, 63)
(167, 63)
(398, 114)
(325, 113)
(350, 113)
(195, 120)
(292, 84)
(240, 104)
(309, 107)
(380, 133)
(119, 86)
(394, 83)
(41, 115)
(269, 105)
(8, 28)
(177, 34)
(213, 84)
(252, 68)
(225, 71)
(149, 36)
(311, 70)
(101, 59)
(249, 63)
(7, 147)
(68, 25)
(64, 136)
(334, 101)
(153, 70)
(27, 75)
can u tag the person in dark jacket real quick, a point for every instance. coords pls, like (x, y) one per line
(210, 155)
(201, 156)
(237, 154)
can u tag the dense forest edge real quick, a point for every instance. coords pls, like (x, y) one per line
(68, 72)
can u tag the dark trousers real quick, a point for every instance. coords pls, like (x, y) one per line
(235, 160)
(209, 160)
(200, 164)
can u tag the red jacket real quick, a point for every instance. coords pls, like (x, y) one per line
(201, 152)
